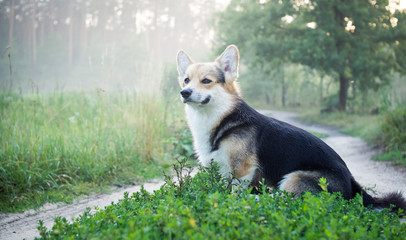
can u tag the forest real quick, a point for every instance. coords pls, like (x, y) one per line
(87, 44)
(328, 53)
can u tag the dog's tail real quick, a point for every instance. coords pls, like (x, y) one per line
(396, 199)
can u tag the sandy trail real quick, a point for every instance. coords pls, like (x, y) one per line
(24, 225)
(382, 177)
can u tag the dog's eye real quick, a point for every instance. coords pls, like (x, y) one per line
(206, 81)
(187, 80)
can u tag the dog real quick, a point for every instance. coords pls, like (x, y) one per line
(252, 147)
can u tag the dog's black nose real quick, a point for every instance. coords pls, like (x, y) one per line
(186, 92)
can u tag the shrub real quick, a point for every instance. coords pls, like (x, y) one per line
(205, 208)
(394, 128)
(393, 136)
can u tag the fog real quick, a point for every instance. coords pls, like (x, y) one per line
(112, 45)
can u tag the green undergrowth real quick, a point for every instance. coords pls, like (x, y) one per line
(204, 207)
(55, 147)
(393, 135)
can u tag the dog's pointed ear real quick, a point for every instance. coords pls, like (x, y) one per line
(228, 62)
(183, 61)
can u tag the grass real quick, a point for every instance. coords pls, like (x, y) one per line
(317, 134)
(396, 156)
(55, 147)
(363, 126)
(203, 207)
(394, 135)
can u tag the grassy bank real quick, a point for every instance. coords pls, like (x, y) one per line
(203, 207)
(386, 131)
(366, 127)
(55, 147)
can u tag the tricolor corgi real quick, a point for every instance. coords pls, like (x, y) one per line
(252, 147)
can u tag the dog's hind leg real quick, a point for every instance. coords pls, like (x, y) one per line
(244, 182)
(308, 181)
(300, 181)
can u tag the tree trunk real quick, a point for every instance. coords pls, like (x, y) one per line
(51, 18)
(83, 37)
(343, 92)
(34, 35)
(11, 26)
(41, 32)
(70, 38)
(282, 74)
(25, 47)
(321, 90)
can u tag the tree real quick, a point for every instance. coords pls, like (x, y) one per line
(353, 41)
(11, 23)
(261, 34)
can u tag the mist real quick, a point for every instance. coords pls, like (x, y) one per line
(109, 45)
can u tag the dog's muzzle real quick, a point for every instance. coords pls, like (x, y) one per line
(187, 97)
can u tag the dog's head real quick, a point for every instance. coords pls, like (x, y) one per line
(206, 83)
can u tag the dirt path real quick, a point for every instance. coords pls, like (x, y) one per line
(24, 225)
(382, 177)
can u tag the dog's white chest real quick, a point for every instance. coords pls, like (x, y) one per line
(201, 126)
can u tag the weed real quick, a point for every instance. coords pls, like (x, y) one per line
(183, 170)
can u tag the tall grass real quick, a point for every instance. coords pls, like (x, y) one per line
(393, 136)
(65, 140)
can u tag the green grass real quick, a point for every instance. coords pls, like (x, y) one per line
(203, 207)
(317, 134)
(397, 157)
(366, 127)
(55, 147)
(394, 135)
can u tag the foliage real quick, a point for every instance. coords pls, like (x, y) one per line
(204, 208)
(394, 128)
(56, 146)
(182, 142)
(393, 134)
(330, 103)
(354, 42)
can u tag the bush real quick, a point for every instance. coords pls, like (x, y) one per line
(393, 136)
(394, 128)
(204, 207)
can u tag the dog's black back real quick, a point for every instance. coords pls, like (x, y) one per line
(283, 149)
